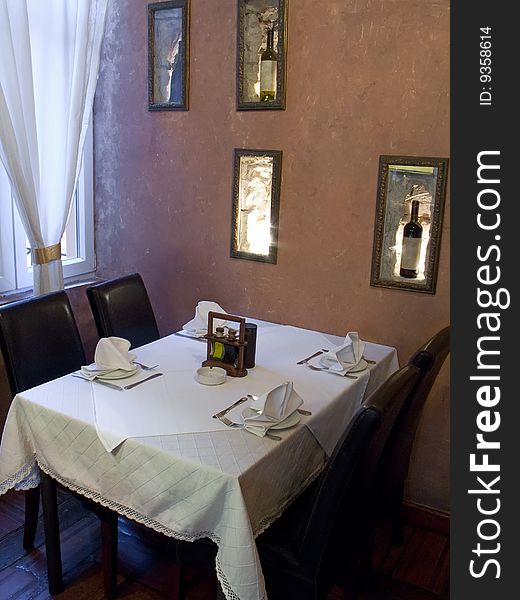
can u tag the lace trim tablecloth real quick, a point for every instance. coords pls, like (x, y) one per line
(227, 485)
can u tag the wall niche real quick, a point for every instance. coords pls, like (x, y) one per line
(261, 48)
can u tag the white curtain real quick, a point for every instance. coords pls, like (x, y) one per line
(49, 60)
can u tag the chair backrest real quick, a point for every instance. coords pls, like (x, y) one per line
(39, 340)
(359, 447)
(396, 456)
(121, 307)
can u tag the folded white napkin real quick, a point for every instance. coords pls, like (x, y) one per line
(198, 326)
(347, 356)
(272, 408)
(111, 355)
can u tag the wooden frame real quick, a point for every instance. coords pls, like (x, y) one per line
(402, 178)
(168, 55)
(253, 19)
(256, 204)
(237, 369)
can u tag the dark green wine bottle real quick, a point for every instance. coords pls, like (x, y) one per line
(268, 66)
(411, 248)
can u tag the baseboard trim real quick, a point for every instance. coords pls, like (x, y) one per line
(426, 518)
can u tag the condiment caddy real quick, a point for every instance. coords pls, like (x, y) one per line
(226, 351)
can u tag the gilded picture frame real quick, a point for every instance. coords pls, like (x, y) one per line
(168, 55)
(256, 204)
(401, 181)
(254, 19)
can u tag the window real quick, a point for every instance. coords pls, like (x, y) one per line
(77, 244)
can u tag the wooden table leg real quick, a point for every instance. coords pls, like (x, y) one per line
(52, 533)
(109, 539)
(181, 583)
(32, 507)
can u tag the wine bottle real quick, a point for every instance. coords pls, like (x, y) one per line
(268, 65)
(411, 248)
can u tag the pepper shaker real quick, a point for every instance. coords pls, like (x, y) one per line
(250, 349)
(230, 352)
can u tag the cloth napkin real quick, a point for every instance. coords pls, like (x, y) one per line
(273, 407)
(198, 326)
(111, 355)
(346, 357)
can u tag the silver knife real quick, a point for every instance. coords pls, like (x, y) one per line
(106, 383)
(226, 410)
(133, 385)
(126, 387)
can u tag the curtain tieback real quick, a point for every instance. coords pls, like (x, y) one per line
(42, 256)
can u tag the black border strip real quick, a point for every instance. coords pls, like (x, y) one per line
(483, 129)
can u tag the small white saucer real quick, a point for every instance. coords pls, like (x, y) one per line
(211, 375)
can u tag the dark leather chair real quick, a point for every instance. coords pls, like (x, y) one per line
(394, 466)
(121, 307)
(40, 341)
(299, 551)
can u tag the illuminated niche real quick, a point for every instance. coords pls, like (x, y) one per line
(256, 201)
(413, 181)
(401, 181)
(255, 18)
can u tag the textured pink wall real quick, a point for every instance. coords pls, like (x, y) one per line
(365, 78)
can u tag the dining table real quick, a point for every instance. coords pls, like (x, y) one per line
(155, 454)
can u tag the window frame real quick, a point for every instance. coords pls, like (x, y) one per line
(15, 275)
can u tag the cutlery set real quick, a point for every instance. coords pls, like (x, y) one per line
(221, 414)
(313, 368)
(145, 367)
(305, 361)
(130, 385)
(223, 419)
(226, 410)
(233, 425)
(117, 387)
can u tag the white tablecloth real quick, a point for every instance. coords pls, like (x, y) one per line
(195, 477)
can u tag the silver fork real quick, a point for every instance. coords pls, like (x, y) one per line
(367, 360)
(145, 367)
(304, 361)
(226, 410)
(234, 425)
(313, 368)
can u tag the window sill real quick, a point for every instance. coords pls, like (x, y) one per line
(9, 297)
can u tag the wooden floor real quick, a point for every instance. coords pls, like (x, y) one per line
(419, 570)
